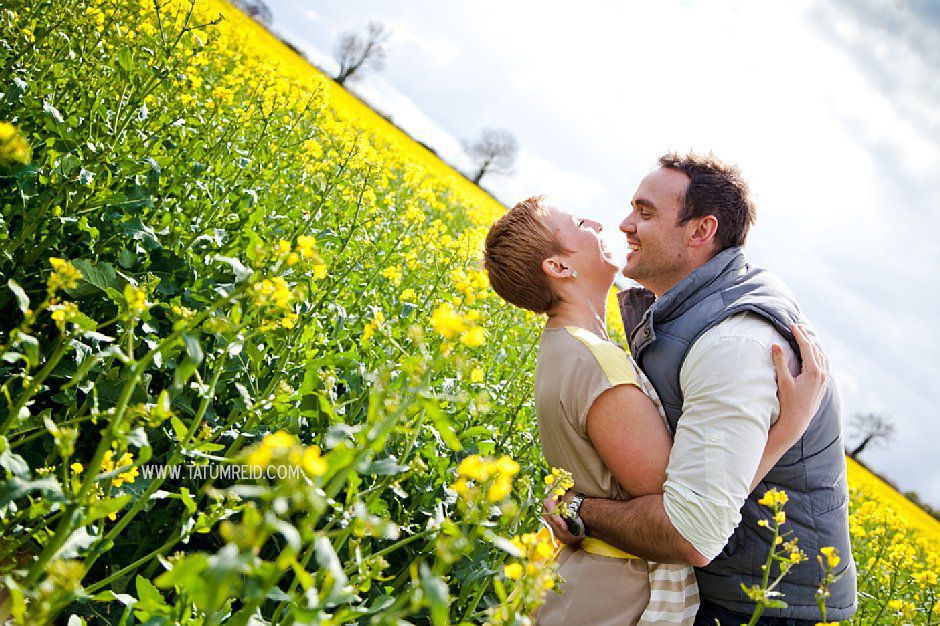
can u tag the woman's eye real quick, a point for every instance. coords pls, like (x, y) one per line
(580, 223)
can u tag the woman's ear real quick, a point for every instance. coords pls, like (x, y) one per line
(704, 234)
(555, 268)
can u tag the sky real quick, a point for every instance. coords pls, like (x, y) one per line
(831, 110)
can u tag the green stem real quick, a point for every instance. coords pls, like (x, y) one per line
(34, 385)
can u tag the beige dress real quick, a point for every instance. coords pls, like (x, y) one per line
(573, 368)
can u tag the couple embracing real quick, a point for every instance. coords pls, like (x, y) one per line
(723, 395)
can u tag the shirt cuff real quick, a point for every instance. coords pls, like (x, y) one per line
(704, 524)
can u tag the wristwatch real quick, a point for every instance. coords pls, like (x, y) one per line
(572, 517)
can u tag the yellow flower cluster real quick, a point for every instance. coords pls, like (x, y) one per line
(64, 276)
(283, 447)
(476, 472)
(64, 313)
(828, 557)
(448, 323)
(274, 296)
(473, 284)
(559, 481)
(378, 319)
(135, 298)
(108, 465)
(774, 498)
(393, 273)
(13, 146)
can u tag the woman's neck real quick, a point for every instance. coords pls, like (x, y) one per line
(587, 315)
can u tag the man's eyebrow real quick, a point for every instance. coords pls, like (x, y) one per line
(643, 202)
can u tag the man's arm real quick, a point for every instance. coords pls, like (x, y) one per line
(639, 526)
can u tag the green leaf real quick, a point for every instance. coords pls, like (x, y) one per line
(386, 467)
(443, 425)
(109, 596)
(241, 272)
(437, 593)
(96, 277)
(179, 429)
(21, 299)
(193, 348)
(186, 573)
(139, 231)
(52, 112)
(17, 487)
(149, 598)
(103, 508)
(183, 372)
(187, 500)
(331, 565)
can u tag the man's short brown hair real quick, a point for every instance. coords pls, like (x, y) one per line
(515, 247)
(715, 188)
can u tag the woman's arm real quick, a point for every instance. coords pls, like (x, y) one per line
(631, 438)
(799, 400)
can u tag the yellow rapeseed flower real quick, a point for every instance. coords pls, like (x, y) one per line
(64, 275)
(136, 299)
(313, 463)
(773, 498)
(500, 489)
(64, 313)
(13, 146)
(447, 322)
(474, 467)
(279, 440)
(476, 375)
(307, 246)
(513, 571)
(474, 337)
(506, 466)
(77, 467)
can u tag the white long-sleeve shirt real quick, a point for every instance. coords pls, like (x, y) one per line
(730, 400)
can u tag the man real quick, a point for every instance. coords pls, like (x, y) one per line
(701, 330)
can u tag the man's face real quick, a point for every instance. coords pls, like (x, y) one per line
(658, 255)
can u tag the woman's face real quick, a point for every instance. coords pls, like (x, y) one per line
(589, 256)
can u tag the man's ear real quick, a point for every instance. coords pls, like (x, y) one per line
(705, 232)
(554, 267)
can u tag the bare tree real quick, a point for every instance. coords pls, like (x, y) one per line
(493, 152)
(256, 9)
(870, 428)
(358, 52)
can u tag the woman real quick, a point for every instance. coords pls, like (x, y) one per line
(546, 260)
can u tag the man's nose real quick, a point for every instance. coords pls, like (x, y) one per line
(627, 226)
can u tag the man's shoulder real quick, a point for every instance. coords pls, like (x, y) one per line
(741, 340)
(746, 325)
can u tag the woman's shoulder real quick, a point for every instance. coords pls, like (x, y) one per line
(608, 356)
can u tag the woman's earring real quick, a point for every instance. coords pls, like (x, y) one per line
(574, 273)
